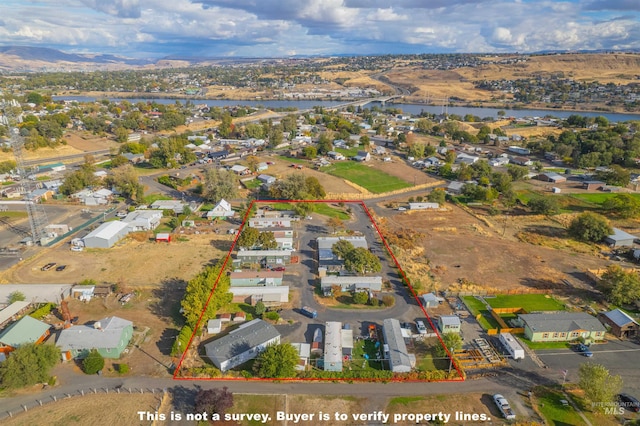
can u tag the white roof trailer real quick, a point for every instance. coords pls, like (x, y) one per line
(512, 345)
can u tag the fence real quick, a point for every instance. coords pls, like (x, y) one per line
(51, 399)
(79, 228)
(493, 292)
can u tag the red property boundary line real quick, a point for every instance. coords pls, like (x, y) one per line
(402, 274)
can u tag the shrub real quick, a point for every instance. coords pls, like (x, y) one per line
(360, 297)
(374, 301)
(273, 316)
(388, 300)
(42, 311)
(123, 368)
(93, 363)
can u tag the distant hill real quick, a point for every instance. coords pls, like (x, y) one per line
(27, 58)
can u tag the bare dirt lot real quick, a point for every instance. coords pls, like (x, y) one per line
(134, 263)
(460, 247)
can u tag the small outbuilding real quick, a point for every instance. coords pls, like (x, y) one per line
(620, 323)
(619, 238)
(163, 237)
(214, 326)
(449, 324)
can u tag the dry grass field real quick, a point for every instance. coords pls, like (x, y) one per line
(90, 410)
(488, 252)
(136, 263)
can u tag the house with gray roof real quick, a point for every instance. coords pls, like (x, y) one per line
(109, 336)
(620, 324)
(244, 343)
(561, 326)
(350, 283)
(326, 258)
(400, 361)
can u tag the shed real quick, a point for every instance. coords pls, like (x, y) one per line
(225, 317)
(163, 237)
(622, 325)
(591, 185)
(431, 300)
(83, 292)
(619, 238)
(239, 317)
(214, 326)
(551, 177)
(449, 324)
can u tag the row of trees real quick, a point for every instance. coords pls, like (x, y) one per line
(356, 259)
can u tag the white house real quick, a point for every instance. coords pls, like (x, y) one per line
(222, 209)
(143, 220)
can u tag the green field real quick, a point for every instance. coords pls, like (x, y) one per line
(552, 409)
(293, 160)
(528, 302)
(351, 152)
(476, 307)
(598, 198)
(367, 177)
(327, 210)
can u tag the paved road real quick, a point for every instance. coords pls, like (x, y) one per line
(620, 357)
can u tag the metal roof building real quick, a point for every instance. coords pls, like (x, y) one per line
(25, 330)
(399, 359)
(351, 283)
(619, 238)
(333, 346)
(106, 235)
(242, 344)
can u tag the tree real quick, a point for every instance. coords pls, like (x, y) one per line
(252, 163)
(619, 286)
(623, 205)
(590, 227)
(93, 363)
(598, 385)
(452, 341)
(437, 196)
(218, 184)
(315, 190)
(125, 180)
(17, 296)
(259, 309)
(360, 297)
(324, 143)
(182, 340)
(342, 248)
(335, 223)
(544, 205)
(27, 365)
(360, 260)
(517, 172)
(277, 361)
(615, 175)
(267, 240)
(226, 126)
(198, 291)
(213, 401)
(297, 187)
(249, 237)
(310, 152)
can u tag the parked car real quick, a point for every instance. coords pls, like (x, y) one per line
(422, 329)
(77, 248)
(629, 402)
(61, 268)
(584, 350)
(278, 269)
(121, 214)
(504, 407)
(48, 266)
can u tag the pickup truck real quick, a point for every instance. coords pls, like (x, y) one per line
(504, 407)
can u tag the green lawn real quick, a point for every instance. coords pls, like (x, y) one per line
(293, 160)
(528, 302)
(151, 198)
(351, 152)
(358, 362)
(548, 402)
(252, 184)
(544, 345)
(13, 214)
(373, 180)
(476, 307)
(327, 210)
(598, 198)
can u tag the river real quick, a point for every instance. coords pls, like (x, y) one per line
(415, 109)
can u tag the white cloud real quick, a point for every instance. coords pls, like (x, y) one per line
(387, 15)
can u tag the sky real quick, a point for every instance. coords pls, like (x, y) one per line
(277, 28)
